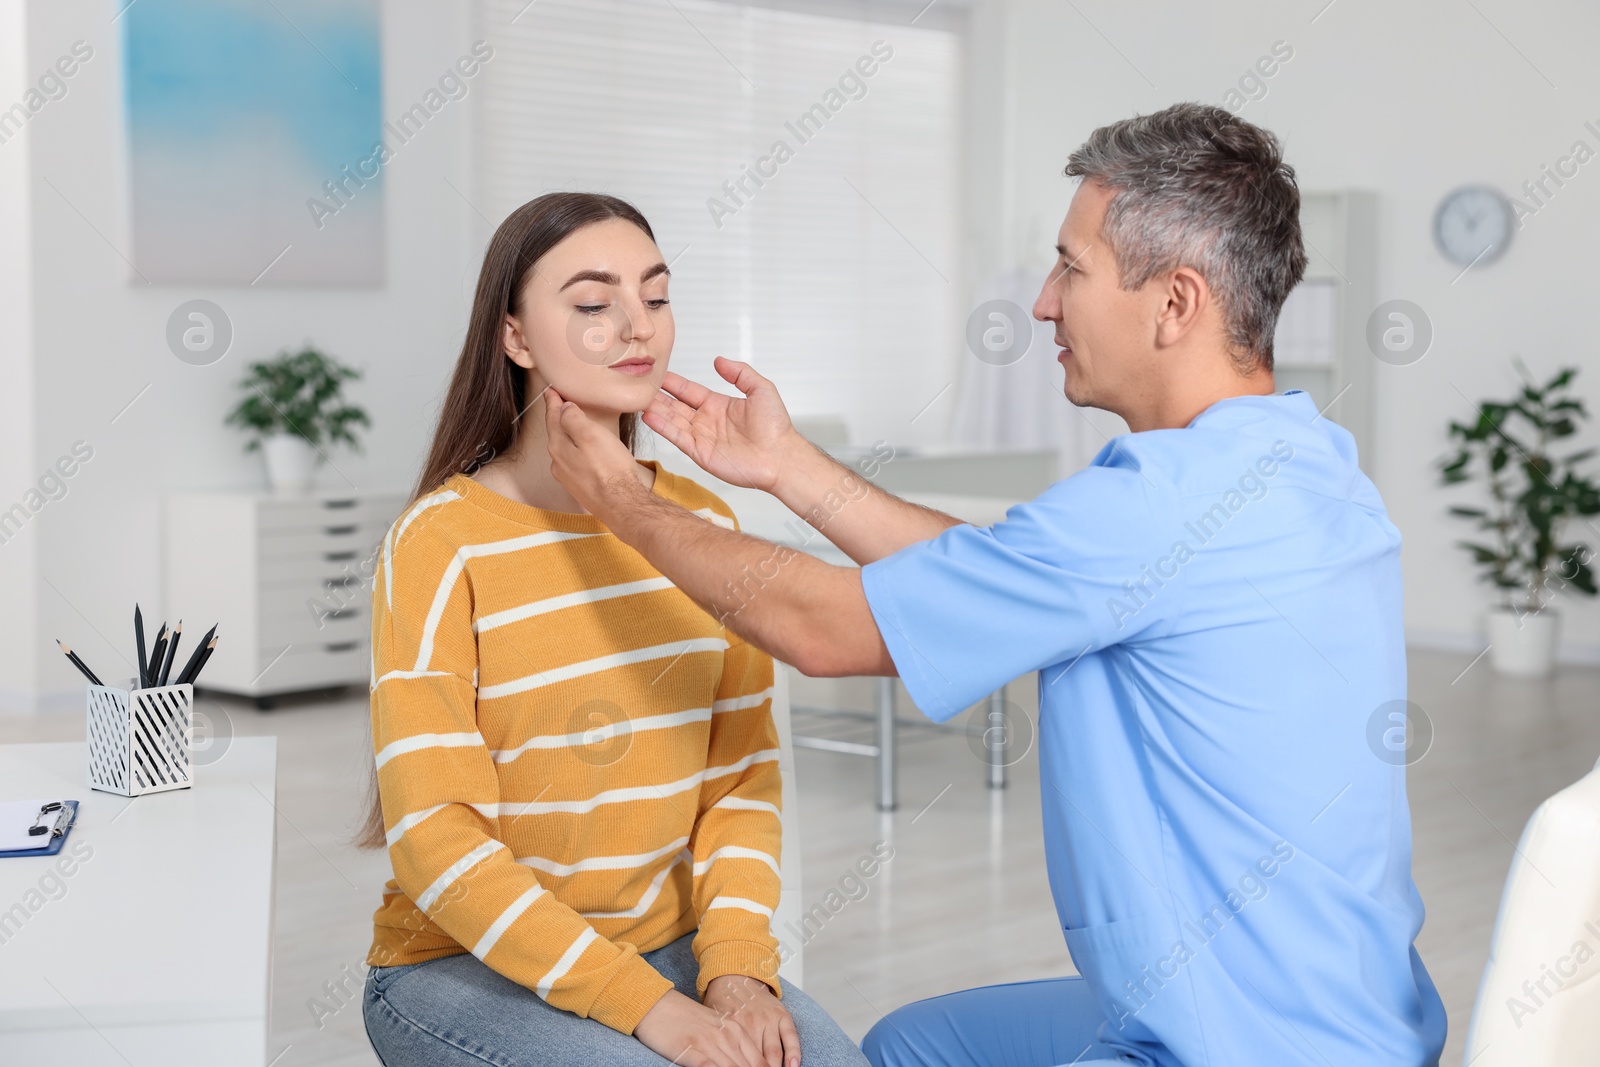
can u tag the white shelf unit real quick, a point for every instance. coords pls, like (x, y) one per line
(1321, 343)
(286, 578)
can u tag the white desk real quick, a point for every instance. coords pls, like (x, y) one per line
(159, 949)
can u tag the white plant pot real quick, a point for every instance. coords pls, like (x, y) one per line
(1523, 644)
(291, 462)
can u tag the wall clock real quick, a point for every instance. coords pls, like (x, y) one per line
(1473, 225)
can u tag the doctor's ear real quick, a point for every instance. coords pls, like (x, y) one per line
(1185, 296)
(514, 344)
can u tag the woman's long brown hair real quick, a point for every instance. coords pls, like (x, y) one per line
(488, 393)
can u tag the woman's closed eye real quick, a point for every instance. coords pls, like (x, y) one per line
(595, 309)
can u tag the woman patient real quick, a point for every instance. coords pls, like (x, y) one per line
(577, 768)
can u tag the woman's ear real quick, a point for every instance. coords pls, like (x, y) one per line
(514, 344)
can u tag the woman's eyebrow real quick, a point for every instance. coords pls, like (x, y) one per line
(605, 277)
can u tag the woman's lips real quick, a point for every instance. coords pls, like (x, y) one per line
(636, 367)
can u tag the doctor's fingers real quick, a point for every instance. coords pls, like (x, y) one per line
(742, 376)
(691, 393)
(674, 425)
(670, 407)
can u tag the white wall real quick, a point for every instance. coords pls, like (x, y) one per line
(1408, 100)
(100, 338)
(18, 658)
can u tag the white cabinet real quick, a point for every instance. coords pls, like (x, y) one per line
(288, 580)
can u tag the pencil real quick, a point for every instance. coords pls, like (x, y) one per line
(195, 657)
(191, 674)
(171, 651)
(78, 663)
(157, 650)
(138, 636)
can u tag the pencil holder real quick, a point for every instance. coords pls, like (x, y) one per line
(139, 739)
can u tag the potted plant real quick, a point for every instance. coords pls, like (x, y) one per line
(1533, 494)
(293, 406)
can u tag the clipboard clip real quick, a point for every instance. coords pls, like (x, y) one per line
(43, 823)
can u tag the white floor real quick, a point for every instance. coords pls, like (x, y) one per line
(964, 900)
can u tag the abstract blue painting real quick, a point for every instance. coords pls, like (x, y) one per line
(242, 116)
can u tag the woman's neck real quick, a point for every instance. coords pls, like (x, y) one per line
(522, 473)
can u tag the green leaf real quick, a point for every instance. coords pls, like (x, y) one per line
(298, 393)
(1481, 553)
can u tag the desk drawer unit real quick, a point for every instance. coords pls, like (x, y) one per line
(287, 579)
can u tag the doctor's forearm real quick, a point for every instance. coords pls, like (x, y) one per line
(864, 522)
(802, 611)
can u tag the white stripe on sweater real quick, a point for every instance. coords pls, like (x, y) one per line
(398, 531)
(600, 663)
(719, 520)
(764, 756)
(488, 811)
(604, 733)
(567, 600)
(736, 852)
(648, 898)
(404, 675)
(503, 923)
(744, 804)
(609, 796)
(740, 902)
(566, 962)
(458, 562)
(456, 870)
(601, 863)
(740, 703)
(417, 742)
(643, 792)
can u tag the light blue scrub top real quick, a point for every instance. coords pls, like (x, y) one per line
(1215, 616)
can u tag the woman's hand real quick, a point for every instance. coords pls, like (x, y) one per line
(693, 1035)
(738, 439)
(751, 1004)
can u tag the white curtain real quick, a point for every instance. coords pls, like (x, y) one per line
(1021, 405)
(832, 276)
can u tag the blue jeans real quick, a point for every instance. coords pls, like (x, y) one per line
(1023, 1024)
(456, 1011)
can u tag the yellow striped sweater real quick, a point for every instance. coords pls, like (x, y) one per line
(576, 763)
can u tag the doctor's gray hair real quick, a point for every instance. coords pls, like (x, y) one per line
(1196, 186)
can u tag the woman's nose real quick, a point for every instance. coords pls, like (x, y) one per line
(640, 327)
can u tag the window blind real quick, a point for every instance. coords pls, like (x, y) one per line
(829, 262)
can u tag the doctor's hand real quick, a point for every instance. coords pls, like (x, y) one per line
(741, 440)
(750, 1003)
(694, 1035)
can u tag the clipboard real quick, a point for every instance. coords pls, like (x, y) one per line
(65, 816)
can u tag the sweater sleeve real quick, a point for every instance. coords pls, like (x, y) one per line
(738, 837)
(440, 795)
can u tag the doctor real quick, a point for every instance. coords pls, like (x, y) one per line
(1213, 607)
